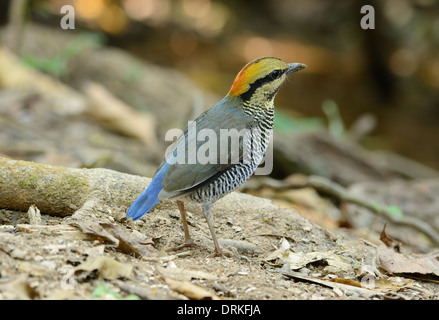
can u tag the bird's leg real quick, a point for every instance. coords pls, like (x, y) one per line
(206, 208)
(187, 238)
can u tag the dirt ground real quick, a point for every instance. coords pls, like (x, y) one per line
(269, 253)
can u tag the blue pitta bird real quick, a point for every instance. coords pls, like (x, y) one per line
(245, 113)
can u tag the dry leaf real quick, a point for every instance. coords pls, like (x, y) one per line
(114, 234)
(393, 261)
(190, 290)
(92, 228)
(297, 260)
(284, 247)
(399, 263)
(129, 244)
(107, 267)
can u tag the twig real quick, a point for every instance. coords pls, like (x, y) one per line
(333, 285)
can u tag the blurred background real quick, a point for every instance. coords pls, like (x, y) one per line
(104, 93)
(389, 74)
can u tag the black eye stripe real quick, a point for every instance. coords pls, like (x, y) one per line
(269, 77)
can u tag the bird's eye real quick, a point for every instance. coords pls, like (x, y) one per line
(275, 74)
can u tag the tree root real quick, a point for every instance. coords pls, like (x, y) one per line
(63, 191)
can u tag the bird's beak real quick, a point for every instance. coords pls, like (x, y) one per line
(294, 67)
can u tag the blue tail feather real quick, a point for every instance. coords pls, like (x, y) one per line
(147, 199)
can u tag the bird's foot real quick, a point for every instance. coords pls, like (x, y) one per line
(188, 244)
(218, 252)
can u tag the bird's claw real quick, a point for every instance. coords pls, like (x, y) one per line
(188, 244)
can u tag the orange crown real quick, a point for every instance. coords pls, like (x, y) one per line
(253, 71)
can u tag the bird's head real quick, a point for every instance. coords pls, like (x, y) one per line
(258, 82)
